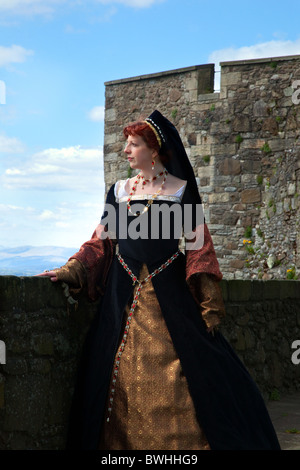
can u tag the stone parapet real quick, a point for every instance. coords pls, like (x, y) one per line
(43, 339)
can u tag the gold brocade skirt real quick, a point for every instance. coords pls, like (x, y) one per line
(152, 407)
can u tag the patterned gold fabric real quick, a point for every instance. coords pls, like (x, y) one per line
(152, 408)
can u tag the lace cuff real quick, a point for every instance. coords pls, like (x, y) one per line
(73, 274)
(208, 295)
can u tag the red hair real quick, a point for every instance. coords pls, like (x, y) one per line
(142, 129)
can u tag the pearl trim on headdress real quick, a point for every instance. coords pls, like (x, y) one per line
(157, 131)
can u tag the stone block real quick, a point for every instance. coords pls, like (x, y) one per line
(191, 83)
(223, 285)
(230, 218)
(193, 96)
(258, 290)
(290, 289)
(288, 91)
(230, 78)
(272, 289)
(217, 198)
(40, 292)
(291, 189)
(15, 366)
(112, 157)
(240, 290)
(241, 123)
(110, 139)
(240, 342)
(25, 403)
(277, 144)
(229, 166)
(2, 401)
(42, 344)
(237, 263)
(221, 149)
(11, 293)
(250, 196)
(39, 365)
(175, 95)
(205, 79)
(252, 143)
(196, 151)
(270, 125)
(110, 114)
(205, 171)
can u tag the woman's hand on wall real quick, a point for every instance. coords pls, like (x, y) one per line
(51, 274)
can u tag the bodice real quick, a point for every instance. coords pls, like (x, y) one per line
(152, 235)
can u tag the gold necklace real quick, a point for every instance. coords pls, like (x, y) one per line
(133, 189)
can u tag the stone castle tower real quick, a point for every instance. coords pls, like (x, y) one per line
(244, 145)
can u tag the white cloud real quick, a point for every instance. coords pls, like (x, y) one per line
(29, 7)
(272, 49)
(46, 214)
(10, 207)
(71, 168)
(63, 224)
(47, 7)
(257, 51)
(13, 54)
(69, 29)
(132, 3)
(10, 145)
(13, 171)
(96, 114)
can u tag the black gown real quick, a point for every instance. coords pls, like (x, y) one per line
(227, 402)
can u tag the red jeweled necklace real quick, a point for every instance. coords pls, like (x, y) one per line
(150, 180)
(133, 189)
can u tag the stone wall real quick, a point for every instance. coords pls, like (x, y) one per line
(43, 339)
(245, 149)
(43, 336)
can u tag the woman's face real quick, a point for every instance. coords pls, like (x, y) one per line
(139, 155)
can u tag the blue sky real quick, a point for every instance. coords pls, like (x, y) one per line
(56, 55)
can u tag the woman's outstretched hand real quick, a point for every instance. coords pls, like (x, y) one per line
(51, 274)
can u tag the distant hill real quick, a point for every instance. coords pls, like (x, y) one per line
(31, 260)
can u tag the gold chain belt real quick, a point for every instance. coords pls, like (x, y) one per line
(140, 284)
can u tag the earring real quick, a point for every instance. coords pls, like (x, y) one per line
(153, 163)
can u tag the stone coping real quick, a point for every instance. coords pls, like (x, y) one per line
(260, 60)
(197, 67)
(159, 74)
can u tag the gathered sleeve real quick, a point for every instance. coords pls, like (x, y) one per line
(201, 256)
(203, 276)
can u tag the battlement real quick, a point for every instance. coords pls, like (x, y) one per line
(243, 143)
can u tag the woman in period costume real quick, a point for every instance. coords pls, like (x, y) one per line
(156, 374)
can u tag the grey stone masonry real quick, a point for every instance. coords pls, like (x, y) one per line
(43, 339)
(244, 145)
